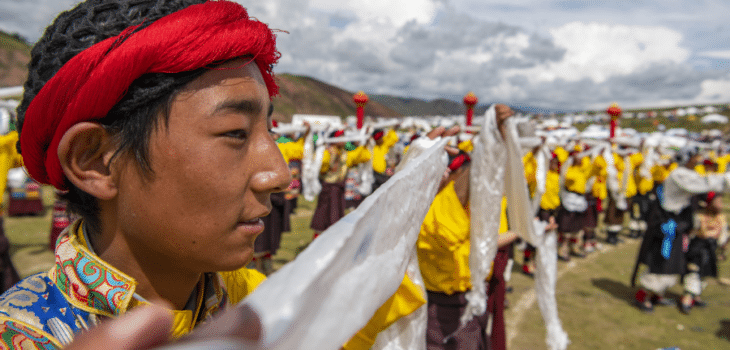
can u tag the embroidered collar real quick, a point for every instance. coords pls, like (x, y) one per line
(93, 285)
(88, 282)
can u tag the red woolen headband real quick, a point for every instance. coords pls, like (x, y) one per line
(92, 82)
(458, 161)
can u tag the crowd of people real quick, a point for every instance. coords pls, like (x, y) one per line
(177, 186)
(639, 190)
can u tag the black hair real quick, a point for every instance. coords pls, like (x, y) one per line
(131, 120)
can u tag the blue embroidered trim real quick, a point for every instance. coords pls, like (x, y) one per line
(669, 229)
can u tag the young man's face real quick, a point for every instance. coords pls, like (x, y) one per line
(215, 166)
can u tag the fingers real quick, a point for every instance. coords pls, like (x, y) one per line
(142, 328)
(436, 132)
(452, 151)
(452, 131)
(441, 131)
(503, 112)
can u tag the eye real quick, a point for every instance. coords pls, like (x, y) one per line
(237, 134)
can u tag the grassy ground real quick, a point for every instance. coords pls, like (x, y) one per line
(595, 299)
(28, 236)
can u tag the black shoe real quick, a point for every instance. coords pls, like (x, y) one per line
(645, 307)
(698, 303)
(663, 301)
(563, 258)
(509, 289)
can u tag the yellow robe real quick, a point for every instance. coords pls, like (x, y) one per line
(551, 198)
(292, 150)
(381, 151)
(9, 158)
(347, 159)
(599, 189)
(443, 243)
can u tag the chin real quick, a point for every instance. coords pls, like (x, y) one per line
(237, 262)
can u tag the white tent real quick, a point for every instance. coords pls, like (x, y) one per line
(709, 109)
(714, 118)
(318, 122)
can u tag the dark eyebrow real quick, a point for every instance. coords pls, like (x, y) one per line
(249, 107)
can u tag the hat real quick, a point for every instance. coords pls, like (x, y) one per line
(378, 134)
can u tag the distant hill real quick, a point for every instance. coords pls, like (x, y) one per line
(14, 58)
(414, 106)
(305, 95)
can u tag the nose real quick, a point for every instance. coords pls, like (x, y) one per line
(272, 174)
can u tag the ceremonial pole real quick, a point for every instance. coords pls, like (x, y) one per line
(615, 112)
(360, 101)
(470, 100)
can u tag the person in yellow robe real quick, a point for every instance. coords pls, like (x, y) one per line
(574, 208)
(549, 202)
(641, 201)
(384, 141)
(614, 217)
(443, 255)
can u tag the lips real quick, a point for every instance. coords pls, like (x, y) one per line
(251, 227)
(252, 221)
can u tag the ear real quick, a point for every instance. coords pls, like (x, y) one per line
(85, 153)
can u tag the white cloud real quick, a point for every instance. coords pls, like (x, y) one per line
(715, 90)
(723, 55)
(395, 12)
(598, 51)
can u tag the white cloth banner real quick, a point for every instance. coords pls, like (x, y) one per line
(311, 164)
(612, 184)
(409, 332)
(522, 221)
(486, 183)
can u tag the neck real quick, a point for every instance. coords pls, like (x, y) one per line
(155, 279)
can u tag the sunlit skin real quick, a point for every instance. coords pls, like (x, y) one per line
(215, 165)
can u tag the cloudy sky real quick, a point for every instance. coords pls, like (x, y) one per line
(558, 55)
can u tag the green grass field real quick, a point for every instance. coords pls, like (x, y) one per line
(595, 299)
